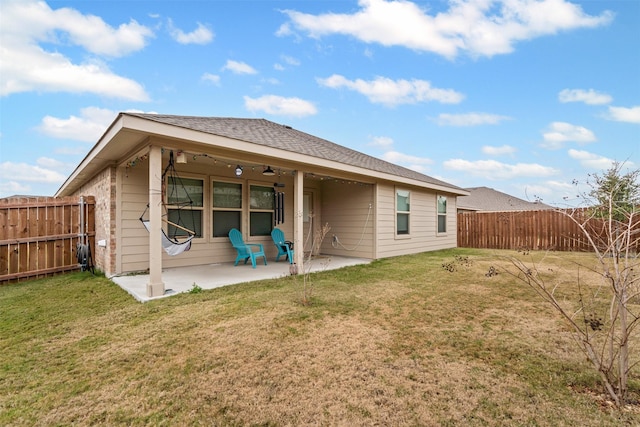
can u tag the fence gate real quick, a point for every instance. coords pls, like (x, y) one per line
(39, 236)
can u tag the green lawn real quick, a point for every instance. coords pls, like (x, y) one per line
(424, 340)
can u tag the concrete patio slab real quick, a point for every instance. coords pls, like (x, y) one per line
(182, 279)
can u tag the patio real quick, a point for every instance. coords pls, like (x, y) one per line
(210, 276)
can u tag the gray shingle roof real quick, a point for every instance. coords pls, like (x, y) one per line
(274, 135)
(488, 199)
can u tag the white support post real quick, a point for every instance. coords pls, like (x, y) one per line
(298, 229)
(155, 287)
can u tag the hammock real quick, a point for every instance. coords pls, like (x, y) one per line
(171, 245)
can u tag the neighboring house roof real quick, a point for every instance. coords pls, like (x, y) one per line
(255, 131)
(488, 199)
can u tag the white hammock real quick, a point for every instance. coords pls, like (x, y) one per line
(170, 246)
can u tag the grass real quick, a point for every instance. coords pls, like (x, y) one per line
(428, 340)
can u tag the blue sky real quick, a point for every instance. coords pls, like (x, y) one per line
(527, 97)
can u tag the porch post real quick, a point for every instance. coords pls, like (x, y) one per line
(155, 287)
(298, 230)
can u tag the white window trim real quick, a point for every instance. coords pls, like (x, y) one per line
(250, 209)
(446, 216)
(396, 212)
(203, 178)
(243, 201)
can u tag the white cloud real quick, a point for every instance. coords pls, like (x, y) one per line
(561, 132)
(415, 163)
(558, 193)
(498, 151)
(470, 119)
(28, 66)
(49, 163)
(239, 67)
(89, 127)
(281, 106)
(10, 188)
(397, 157)
(212, 78)
(556, 186)
(285, 30)
(22, 178)
(290, 60)
(272, 81)
(494, 170)
(535, 192)
(30, 21)
(590, 160)
(381, 141)
(477, 27)
(590, 97)
(201, 35)
(622, 114)
(23, 172)
(389, 92)
(33, 70)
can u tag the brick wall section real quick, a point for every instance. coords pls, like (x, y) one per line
(103, 187)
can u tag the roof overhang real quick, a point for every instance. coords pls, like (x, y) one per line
(129, 136)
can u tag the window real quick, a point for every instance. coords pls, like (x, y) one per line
(227, 208)
(260, 210)
(442, 214)
(403, 209)
(184, 206)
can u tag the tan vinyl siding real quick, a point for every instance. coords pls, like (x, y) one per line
(134, 238)
(423, 221)
(312, 189)
(345, 208)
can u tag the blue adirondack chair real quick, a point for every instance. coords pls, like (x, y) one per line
(246, 250)
(284, 247)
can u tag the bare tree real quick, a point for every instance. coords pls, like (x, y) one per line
(316, 237)
(611, 228)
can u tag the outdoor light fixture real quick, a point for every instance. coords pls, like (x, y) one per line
(181, 157)
(268, 171)
(238, 170)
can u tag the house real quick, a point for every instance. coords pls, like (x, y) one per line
(487, 199)
(235, 171)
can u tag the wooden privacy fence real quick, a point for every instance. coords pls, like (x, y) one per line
(534, 230)
(39, 235)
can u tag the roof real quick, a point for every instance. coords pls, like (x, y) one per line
(129, 134)
(274, 135)
(488, 199)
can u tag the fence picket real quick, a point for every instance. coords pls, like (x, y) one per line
(38, 235)
(533, 230)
